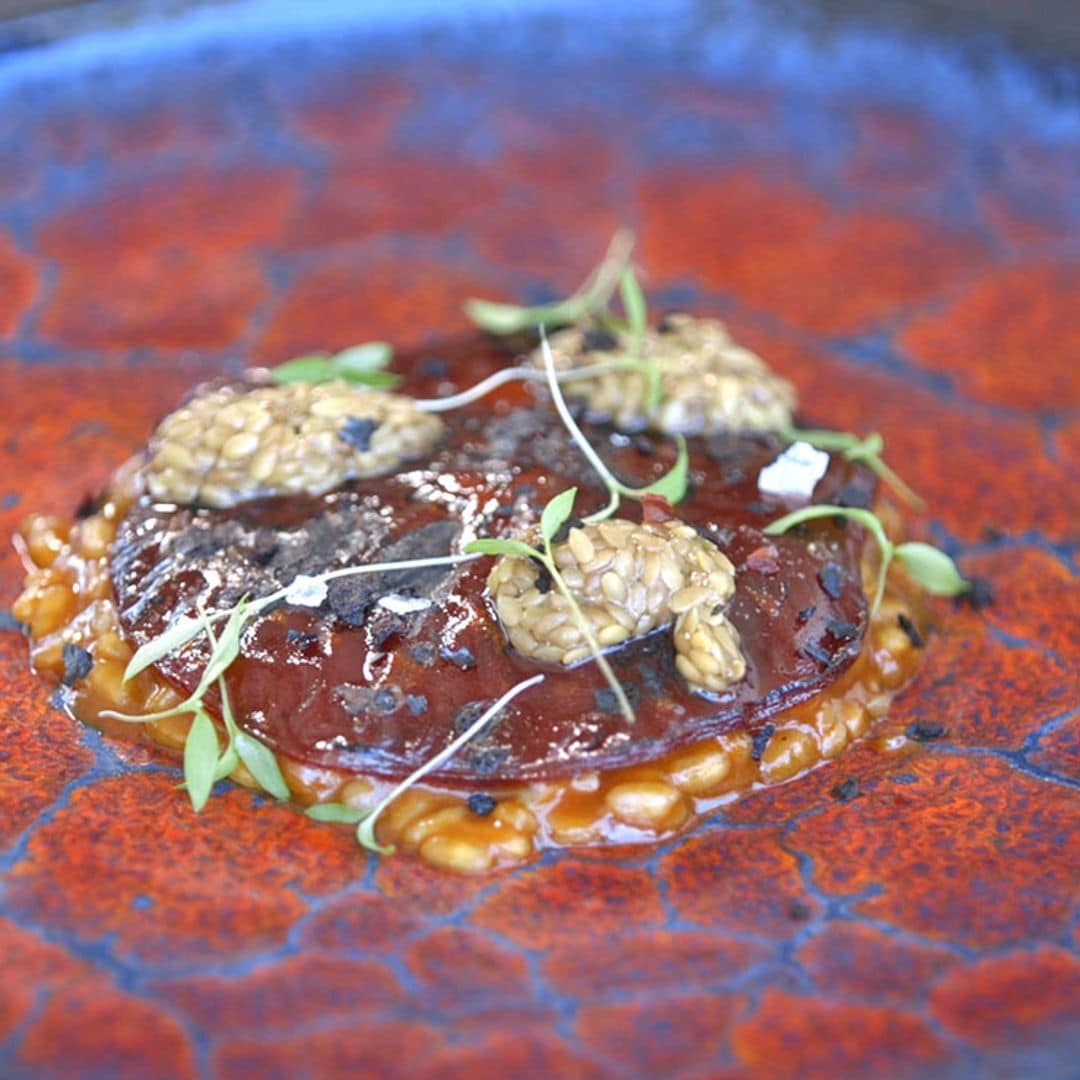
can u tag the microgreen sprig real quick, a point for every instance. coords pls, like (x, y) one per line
(672, 485)
(554, 515)
(867, 450)
(931, 568)
(366, 819)
(591, 299)
(363, 365)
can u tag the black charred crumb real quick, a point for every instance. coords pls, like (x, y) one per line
(911, 630)
(434, 367)
(732, 474)
(264, 547)
(467, 715)
(652, 680)
(757, 506)
(846, 790)
(387, 700)
(384, 625)
(817, 652)
(605, 701)
(77, 663)
(357, 432)
(564, 529)
(598, 339)
(806, 614)
(487, 759)
(718, 535)
(461, 657)
(417, 704)
(481, 804)
(798, 911)
(302, 638)
(10, 623)
(423, 652)
(89, 505)
(854, 494)
(831, 579)
(992, 533)
(842, 630)
(926, 730)
(352, 598)
(643, 444)
(978, 595)
(667, 325)
(544, 580)
(502, 512)
(63, 698)
(761, 740)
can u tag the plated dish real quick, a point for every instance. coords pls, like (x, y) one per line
(563, 590)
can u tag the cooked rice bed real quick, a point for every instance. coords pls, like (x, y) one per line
(67, 600)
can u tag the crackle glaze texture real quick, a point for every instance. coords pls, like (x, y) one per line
(893, 228)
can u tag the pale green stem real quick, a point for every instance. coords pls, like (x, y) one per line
(365, 834)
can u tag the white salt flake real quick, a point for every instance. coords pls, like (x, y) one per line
(403, 605)
(306, 591)
(795, 472)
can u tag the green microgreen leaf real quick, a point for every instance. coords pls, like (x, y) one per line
(365, 834)
(372, 356)
(315, 368)
(505, 319)
(226, 763)
(362, 365)
(931, 568)
(200, 758)
(633, 301)
(172, 640)
(672, 485)
(336, 812)
(867, 450)
(262, 764)
(226, 647)
(591, 298)
(492, 545)
(556, 513)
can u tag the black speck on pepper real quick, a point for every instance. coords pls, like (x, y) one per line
(911, 630)
(831, 579)
(417, 703)
(846, 790)
(804, 615)
(77, 663)
(423, 652)
(481, 804)
(853, 494)
(387, 699)
(461, 657)
(643, 444)
(798, 911)
(926, 730)
(816, 652)
(300, 637)
(761, 740)
(434, 367)
(357, 432)
(842, 630)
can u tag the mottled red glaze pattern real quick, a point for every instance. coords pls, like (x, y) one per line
(907, 260)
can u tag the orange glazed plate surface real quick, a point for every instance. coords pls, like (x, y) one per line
(890, 224)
